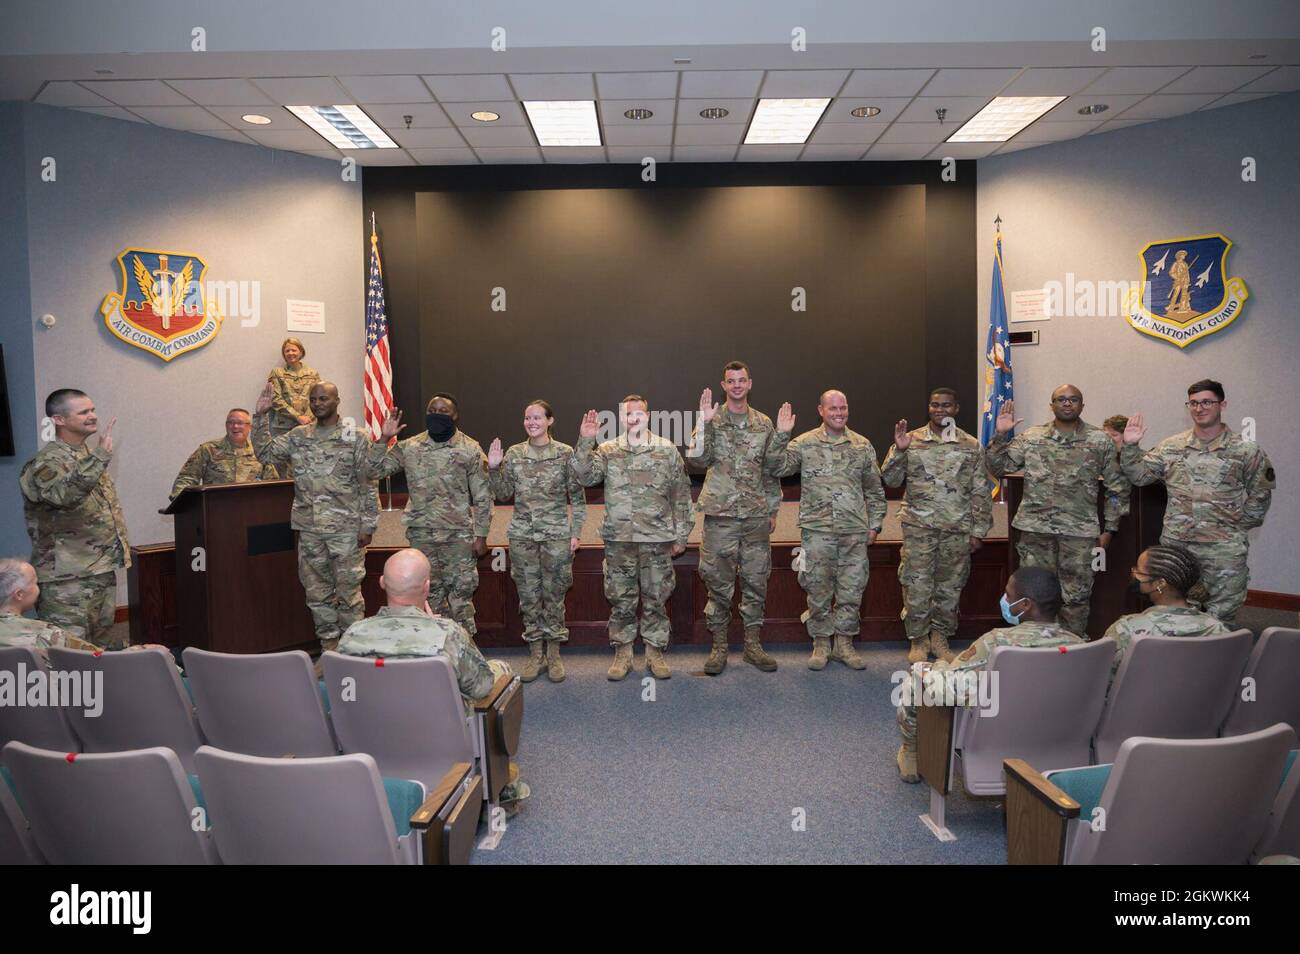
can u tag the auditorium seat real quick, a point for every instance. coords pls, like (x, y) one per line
(335, 810)
(1282, 833)
(1163, 801)
(1275, 666)
(1171, 687)
(119, 808)
(1048, 702)
(45, 726)
(408, 714)
(144, 705)
(266, 704)
(17, 846)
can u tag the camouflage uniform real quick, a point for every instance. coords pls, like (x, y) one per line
(738, 500)
(407, 631)
(221, 462)
(448, 505)
(290, 402)
(1161, 621)
(1217, 492)
(78, 537)
(543, 484)
(1027, 634)
(948, 500)
(17, 632)
(1057, 518)
(647, 510)
(840, 500)
(334, 502)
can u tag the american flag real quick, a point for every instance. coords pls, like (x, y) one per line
(379, 367)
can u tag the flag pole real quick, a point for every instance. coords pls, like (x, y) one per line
(388, 480)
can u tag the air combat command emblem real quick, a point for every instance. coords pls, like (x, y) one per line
(160, 307)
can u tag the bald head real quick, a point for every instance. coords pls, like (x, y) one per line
(406, 578)
(18, 587)
(324, 401)
(833, 407)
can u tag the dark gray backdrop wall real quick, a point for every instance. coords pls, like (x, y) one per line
(615, 285)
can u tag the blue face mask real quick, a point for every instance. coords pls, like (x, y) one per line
(1009, 616)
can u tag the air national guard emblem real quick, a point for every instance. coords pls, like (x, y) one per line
(160, 307)
(1185, 293)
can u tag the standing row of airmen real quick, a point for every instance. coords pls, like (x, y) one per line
(1219, 487)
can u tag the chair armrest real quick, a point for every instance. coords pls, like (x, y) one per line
(1038, 816)
(934, 738)
(499, 725)
(498, 687)
(448, 818)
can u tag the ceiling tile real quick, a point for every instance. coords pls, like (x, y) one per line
(963, 150)
(423, 115)
(1232, 99)
(137, 92)
(886, 82)
(1068, 110)
(511, 113)
(280, 117)
(639, 135)
(304, 90)
(770, 152)
(513, 154)
(1064, 81)
(893, 152)
(1135, 79)
(960, 109)
(688, 110)
(611, 112)
(467, 88)
(1215, 79)
(69, 94)
(191, 118)
(1284, 79)
(715, 134)
(862, 131)
(802, 84)
(1161, 106)
(379, 157)
(846, 153)
(444, 137)
(841, 110)
(722, 84)
(495, 136)
(228, 134)
(636, 85)
(972, 82)
(1055, 132)
(112, 112)
(286, 138)
(573, 154)
(221, 92)
(444, 157)
(703, 153)
(386, 89)
(930, 132)
(553, 86)
(631, 154)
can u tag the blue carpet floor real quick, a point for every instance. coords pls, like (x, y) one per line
(714, 769)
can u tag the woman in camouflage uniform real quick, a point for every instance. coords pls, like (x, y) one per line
(543, 533)
(291, 384)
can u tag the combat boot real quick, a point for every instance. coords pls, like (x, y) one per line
(906, 760)
(939, 646)
(655, 662)
(717, 660)
(622, 663)
(535, 663)
(919, 650)
(326, 646)
(821, 651)
(755, 655)
(846, 654)
(554, 665)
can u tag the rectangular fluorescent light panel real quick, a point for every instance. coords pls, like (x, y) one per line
(784, 120)
(344, 127)
(1003, 118)
(564, 123)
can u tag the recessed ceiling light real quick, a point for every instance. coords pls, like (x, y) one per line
(564, 122)
(715, 112)
(865, 112)
(1093, 110)
(784, 120)
(637, 112)
(485, 116)
(345, 127)
(1003, 117)
(255, 119)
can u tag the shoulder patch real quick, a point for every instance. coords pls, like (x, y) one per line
(968, 654)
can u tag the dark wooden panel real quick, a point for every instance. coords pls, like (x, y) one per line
(151, 595)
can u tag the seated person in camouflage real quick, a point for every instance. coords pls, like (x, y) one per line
(1163, 574)
(230, 460)
(1036, 593)
(407, 627)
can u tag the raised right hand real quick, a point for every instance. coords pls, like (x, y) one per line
(106, 438)
(264, 399)
(707, 407)
(902, 439)
(1135, 430)
(1007, 420)
(785, 418)
(495, 454)
(590, 425)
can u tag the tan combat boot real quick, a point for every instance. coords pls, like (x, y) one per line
(535, 663)
(906, 760)
(655, 662)
(717, 660)
(821, 652)
(554, 665)
(939, 646)
(622, 663)
(919, 650)
(846, 654)
(755, 655)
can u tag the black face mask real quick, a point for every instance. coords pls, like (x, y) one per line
(440, 427)
(1135, 586)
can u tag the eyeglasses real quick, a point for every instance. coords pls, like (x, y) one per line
(941, 407)
(1197, 405)
(1067, 400)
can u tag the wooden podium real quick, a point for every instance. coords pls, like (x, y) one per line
(237, 587)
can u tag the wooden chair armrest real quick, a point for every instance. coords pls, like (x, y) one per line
(449, 822)
(424, 815)
(1038, 816)
(498, 687)
(934, 739)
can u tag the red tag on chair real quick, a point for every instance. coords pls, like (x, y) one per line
(379, 662)
(1061, 649)
(71, 757)
(97, 653)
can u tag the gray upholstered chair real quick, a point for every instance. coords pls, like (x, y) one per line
(17, 846)
(1274, 665)
(45, 727)
(1282, 833)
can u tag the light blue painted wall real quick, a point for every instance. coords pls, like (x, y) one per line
(1087, 206)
